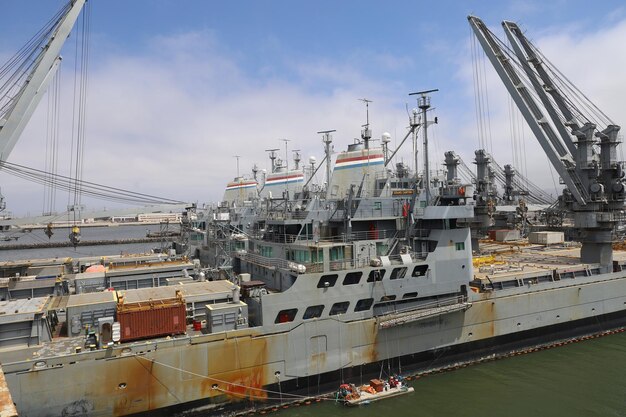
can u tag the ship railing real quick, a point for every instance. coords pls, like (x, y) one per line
(264, 261)
(368, 212)
(439, 302)
(342, 238)
(424, 310)
(334, 265)
(287, 215)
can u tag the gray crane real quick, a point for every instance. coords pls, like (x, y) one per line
(595, 191)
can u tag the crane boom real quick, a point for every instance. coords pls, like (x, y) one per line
(560, 159)
(29, 96)
(595, 181)
(519, 41)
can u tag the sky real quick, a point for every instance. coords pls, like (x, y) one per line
(177, 88)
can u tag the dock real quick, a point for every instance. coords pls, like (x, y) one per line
(67, 244)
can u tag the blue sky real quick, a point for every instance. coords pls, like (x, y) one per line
(178, 87)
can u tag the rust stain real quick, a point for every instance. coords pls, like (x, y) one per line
(318, 361)
(249, 357)
(135, 384)
(372, 352)
(7, 408)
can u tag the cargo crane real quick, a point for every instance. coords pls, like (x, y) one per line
(595, 190)
(33, 68)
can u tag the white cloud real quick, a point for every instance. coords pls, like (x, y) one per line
(168, 120)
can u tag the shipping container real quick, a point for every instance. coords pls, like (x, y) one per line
(546, 238)
(505, 235)
(151, 318)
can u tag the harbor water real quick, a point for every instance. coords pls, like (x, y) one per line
(582, 379)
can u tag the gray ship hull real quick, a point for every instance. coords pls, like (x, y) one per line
(244, 364)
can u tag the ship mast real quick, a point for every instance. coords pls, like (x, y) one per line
(423, 102)
(327, 139)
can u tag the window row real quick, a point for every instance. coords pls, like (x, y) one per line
(285, 316)
(353, 278)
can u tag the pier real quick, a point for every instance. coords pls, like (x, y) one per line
(67, 244)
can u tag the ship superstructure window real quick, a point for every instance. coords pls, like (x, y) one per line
(285, 316)
(339, 308)
(364, 304)
(298, 256)
(410, 295)
(388, 298)
(398, 273)
(419, 270)
(336, 256)
(352, 278)
(376, 275)
(313, 311)
(266, 251)
(327, 281)
(317, 255)
(459, 245)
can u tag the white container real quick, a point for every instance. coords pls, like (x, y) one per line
(506, 235)
(546, 238)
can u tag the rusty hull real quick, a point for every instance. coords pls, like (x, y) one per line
(237, 365)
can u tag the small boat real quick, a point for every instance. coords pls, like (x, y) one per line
(376, 390)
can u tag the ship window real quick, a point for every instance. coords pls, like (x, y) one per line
(352, 278)
(459, 245)
(300, 256)
(364, 304)
(327, 281)
(419, 271)
(398, 273)
(339, 308)
(376, 275)
(285, 316)
(266, 251)
(313, 311)
(388, 298)
(410, 295)
(336, 253)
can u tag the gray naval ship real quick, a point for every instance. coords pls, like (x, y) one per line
(315, 285)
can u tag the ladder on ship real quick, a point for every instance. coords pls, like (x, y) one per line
(398, 319)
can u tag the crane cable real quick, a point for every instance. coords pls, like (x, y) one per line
(79, 112)
(91, 189)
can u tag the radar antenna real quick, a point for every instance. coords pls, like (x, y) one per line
(366, 133)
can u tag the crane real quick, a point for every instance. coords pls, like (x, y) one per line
(19, 100)
(595, 188)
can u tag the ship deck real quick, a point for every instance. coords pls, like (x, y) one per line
(506, 261)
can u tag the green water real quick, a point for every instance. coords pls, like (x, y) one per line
(582, 379)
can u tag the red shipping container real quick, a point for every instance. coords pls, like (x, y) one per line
(151, 319)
